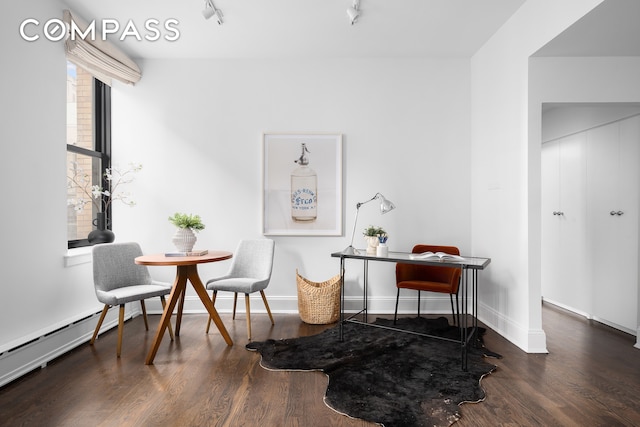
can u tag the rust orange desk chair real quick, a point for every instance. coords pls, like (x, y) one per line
(429, 278)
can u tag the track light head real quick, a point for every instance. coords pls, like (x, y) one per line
(210, 10)
(354, 12)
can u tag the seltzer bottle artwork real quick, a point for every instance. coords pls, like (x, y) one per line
(304, 190)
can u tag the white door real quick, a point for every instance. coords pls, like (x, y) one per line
(573, 219)
(550, 205)
(628, 199)
(564, 222)
(612, 164)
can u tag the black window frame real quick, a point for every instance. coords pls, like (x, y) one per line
(102, 144)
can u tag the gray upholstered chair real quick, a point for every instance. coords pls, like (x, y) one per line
(118, 280)
(250, 272)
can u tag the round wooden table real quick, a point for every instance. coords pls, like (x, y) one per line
(187, 269)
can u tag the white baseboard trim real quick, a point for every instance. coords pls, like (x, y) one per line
(591, 317)
(615, 326)
(37, 352)
(529, 340)
(568, 308)
(289, 304)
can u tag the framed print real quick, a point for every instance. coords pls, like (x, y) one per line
(302, 184)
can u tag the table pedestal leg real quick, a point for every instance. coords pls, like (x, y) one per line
(192, 274)
(177, 291)
(180, 309)
(186, 272)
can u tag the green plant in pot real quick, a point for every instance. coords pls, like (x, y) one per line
(371, 234)
(187, 225)
(372, 230)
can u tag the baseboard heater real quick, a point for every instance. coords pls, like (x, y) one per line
(37, 352)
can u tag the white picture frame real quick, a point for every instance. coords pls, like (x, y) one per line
(282, 153)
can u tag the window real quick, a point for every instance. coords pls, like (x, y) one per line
(88, 149)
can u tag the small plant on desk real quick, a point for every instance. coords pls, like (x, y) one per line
(181, 220)
(372, 231)
(372, 234)
(185, 238)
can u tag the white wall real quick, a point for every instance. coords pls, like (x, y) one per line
(38, 293)
(506, 170)
(196, 126)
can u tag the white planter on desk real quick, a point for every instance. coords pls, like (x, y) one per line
(382, 250)
(372, 244)
(184, 239)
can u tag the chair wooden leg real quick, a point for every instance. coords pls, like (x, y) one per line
(266, 304)
(120, 330)
(102, 316)
(395, 313)
(213, 301)
(235, 302)
(144, 315)
(164, 304)
(248, 308)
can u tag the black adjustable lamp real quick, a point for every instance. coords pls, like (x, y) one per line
(385, 206)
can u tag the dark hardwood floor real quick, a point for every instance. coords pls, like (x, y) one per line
(591, 377)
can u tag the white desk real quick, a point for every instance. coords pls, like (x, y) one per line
(470, 265)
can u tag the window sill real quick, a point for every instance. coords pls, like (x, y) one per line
(77, 256)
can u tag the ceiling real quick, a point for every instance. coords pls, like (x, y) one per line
(611, 29)
(309, 28)
(386, 28)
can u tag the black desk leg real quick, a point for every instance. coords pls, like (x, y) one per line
(366, 283)
(465, 316)
(475, 310)
(341, 332)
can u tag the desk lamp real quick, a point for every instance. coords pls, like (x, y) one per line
(385, 206)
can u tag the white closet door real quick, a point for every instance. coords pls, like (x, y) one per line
(573, 222)
(628, 200)
(564, 222)
(550, 205)
(612, 163)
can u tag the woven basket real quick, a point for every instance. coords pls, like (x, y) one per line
(318, 303)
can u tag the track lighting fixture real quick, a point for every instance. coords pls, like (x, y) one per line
(210, 10)
(354, 12)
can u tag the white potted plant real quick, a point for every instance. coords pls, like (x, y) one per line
(187, 224)
(371, 234)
